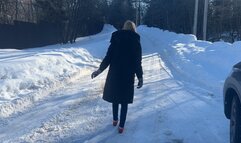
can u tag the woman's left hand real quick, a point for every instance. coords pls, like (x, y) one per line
(140, 83)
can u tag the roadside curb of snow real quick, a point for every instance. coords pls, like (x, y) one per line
(177, 66)
(21, 104)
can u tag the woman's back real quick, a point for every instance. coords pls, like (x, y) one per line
(125, 47)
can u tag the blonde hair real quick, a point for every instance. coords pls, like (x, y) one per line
(129, 25)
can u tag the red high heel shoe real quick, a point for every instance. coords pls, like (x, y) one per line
(115, 122)
(120, 129)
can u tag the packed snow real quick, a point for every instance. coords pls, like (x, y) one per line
(47, 95)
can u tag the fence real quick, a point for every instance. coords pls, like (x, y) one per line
(25, 35)
(21, 28)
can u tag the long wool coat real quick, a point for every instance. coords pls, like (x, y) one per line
(123, 57)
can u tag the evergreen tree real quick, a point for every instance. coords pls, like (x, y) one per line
(224, 17)
(236, 21)
(50, 10)
(173, 15)
(120, 11)
(223, 20)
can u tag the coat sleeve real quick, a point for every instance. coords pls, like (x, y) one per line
(106, 61)
(139, 71)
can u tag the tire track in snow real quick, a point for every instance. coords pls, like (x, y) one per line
(197, 111)
(57, 115)
(163, 111)
(143, 119)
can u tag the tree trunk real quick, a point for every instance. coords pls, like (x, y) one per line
(205, 20)
(195, 18)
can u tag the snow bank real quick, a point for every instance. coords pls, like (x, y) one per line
(201, 62)
(28, 75)
(99, 42)
(23, 80)
(22, 76)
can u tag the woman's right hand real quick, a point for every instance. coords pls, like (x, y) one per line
(95, 74)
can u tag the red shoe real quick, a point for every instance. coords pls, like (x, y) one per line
(115, 122)
(120, 129)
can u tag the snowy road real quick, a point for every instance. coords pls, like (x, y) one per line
(164, 111)
(47, 96)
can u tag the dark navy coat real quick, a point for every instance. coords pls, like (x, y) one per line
(123, 57)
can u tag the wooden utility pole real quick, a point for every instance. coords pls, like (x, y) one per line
(195, 18)
(205, 18)
(138, 12)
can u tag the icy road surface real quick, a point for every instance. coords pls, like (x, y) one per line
(164, 111)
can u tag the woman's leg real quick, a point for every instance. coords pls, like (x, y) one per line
(124, 108)
(115, 111)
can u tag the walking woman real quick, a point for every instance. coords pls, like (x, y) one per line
(124, 60)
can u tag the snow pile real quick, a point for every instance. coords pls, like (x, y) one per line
(23, 80)
(97, 45)
(201, 62)
(26, 76)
